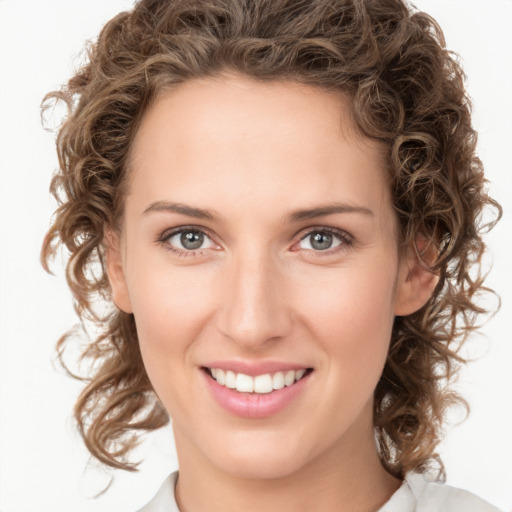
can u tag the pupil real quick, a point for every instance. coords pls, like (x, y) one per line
(192, 240)
(321, 241)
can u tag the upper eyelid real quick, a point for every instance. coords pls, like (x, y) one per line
(318, 229)
(163, 239)
(180, 229)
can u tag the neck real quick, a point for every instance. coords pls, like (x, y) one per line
(349, 477)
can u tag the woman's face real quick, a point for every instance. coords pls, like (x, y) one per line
(259, 247)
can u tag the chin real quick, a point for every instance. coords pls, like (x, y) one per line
(261, 458)
(258, 467)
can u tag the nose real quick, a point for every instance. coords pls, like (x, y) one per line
(253, 310)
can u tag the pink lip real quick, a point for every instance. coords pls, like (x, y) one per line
(254, 368)
(254, 405)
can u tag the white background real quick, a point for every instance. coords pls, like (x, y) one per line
(43, 465)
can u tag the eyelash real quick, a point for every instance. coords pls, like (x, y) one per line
(346, 240)
(164, 240)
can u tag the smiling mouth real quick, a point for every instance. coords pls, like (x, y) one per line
(259, 384)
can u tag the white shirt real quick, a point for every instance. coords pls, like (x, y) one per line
(416, 494)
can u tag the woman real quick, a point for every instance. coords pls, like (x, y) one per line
(280, 202)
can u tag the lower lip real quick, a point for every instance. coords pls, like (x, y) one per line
(254, 405)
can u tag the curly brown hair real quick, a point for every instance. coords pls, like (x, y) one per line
(405, 89)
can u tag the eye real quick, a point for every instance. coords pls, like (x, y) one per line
(323, 240)
(188, 240)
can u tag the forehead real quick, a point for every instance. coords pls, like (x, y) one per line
(225, 139)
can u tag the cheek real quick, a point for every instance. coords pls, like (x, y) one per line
(171, 307)
(350, 313)
(168, 310)
(167, 299)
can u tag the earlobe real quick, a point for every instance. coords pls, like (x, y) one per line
(115, 271)
(416, 283)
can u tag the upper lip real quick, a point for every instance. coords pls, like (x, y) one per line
(254, 368)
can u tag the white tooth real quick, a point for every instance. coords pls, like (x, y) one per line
(263, 383)
(299, 374)
(289, 378)
(213, 371)
(221, 376)
(230, 379)
(278, 380)
(244, 383)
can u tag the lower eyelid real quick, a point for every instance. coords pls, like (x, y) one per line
(165, 238)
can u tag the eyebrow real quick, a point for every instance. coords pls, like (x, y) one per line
(330, 209)
(296, 216)
(183, 209)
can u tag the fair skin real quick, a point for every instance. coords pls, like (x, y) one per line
(251, 283)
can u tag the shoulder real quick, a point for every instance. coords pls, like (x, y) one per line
(430, 496)
(164, 500)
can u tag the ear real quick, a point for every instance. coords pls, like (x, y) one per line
(115, 271)
(416, 282)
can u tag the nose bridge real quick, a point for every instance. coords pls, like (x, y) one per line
(254, 308)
